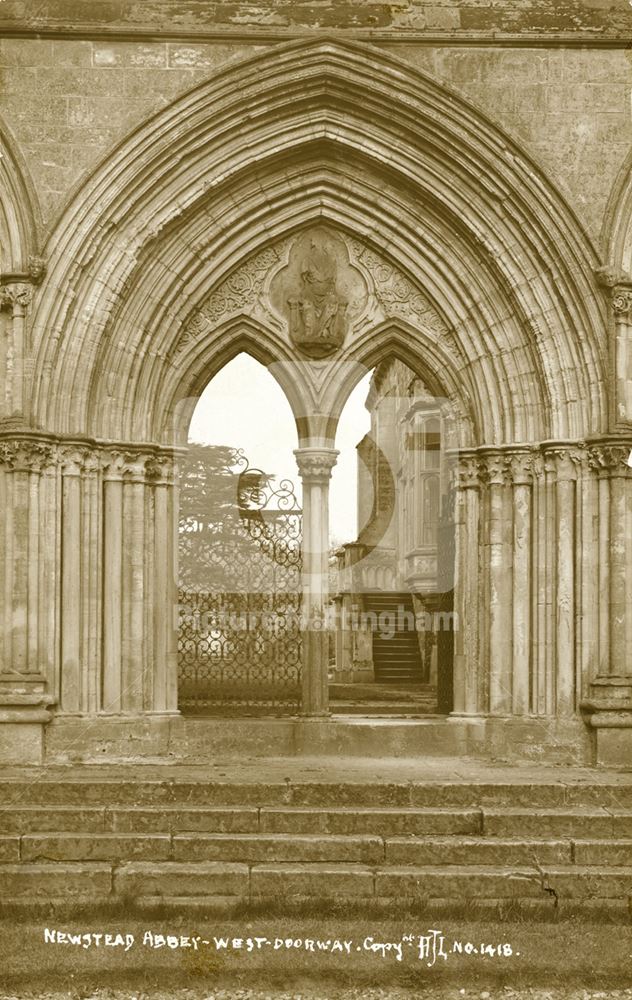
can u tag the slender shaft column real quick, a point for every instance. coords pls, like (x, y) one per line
(164, 693)
(466, 583)
(71, 585)
(564, 462)
(16, 297)
(500, 589)
(91, 543)
(521, 469)
(112, 585)
(622, 352)
(315, 465)
(134, 590)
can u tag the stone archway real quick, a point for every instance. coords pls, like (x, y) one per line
(468, 263)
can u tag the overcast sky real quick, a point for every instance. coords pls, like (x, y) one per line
(244, 407)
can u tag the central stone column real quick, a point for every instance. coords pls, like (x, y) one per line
(315, 464)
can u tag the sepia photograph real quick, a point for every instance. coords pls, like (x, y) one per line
(315, 499)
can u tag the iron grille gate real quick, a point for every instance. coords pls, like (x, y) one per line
(240, 601)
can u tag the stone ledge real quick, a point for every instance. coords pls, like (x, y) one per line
(274, 19)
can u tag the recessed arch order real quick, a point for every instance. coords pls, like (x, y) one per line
(307, 133)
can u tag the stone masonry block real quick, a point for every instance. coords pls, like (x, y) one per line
(56, 881)
(581, 882)
(320, 880)
(129, 54)
(9, 849)
(545, 823)
(458, 883)
(37, 819)
(582, 97)
(387, 822)
(25, 52)
(71, 53)
(602, 852)
(94, 847)
(181, 56)
(473, 851)
(255, 848)
(182, 880)
(621, 822)
(239, 819)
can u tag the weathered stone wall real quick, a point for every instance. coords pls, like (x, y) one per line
(594, 17)
(97, 70)
(472, 241)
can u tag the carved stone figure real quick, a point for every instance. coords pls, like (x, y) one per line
(318, 319)
(319, 292)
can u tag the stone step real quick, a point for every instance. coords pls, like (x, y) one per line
(386, 822)
(383, 709)
(509, 823)
(281, 848)
(570, 822)
(514, 799)
(211, 881)
(371, 849)
(448, 851)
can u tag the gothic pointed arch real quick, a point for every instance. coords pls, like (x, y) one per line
(423, 183)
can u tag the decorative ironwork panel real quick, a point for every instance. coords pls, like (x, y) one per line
(240, 594)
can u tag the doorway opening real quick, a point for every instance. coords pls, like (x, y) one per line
(240, 554)
(392, 557)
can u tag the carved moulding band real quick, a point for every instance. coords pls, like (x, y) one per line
(36, 452)
(610, 457)
(523, 465)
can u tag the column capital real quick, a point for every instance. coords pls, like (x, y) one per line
(468, 472)
(610, 458)
(520, 468)
(25, 454)
(315, 463)
(16, 296)
(621, 301)
(563, 461)
(496, 468)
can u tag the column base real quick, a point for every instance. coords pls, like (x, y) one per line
(608, 712)
(24, 712)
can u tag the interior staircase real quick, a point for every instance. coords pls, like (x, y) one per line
(396, 658)
(80, 838)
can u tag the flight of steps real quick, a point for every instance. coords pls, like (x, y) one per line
(383, 700)
(89, 840)
(396, 659)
